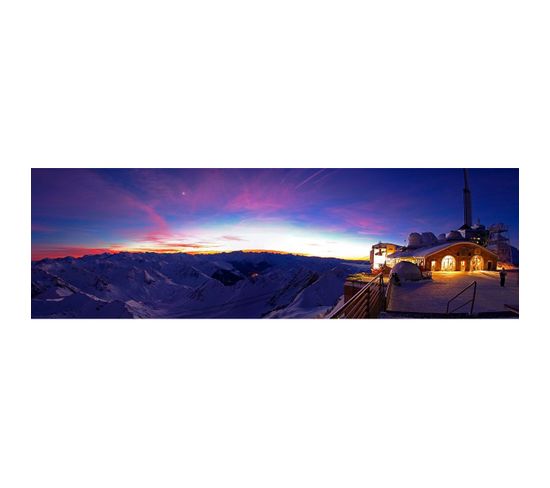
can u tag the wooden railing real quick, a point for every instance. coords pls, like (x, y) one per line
(471, 301)
(366, 303)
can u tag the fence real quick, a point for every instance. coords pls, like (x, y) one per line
(366, 303)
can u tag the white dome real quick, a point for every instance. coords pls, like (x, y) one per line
(428, 238)
(414, 240)
(453, 235)
(406, 271)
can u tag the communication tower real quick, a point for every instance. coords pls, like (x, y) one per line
(499, 242)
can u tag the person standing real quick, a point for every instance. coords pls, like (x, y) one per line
(502, 276)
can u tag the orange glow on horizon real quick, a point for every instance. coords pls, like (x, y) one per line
(80, 252)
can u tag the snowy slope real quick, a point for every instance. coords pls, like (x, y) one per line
(237, 285)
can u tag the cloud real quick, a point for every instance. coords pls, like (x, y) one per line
(85, 195)
(189, 245)
(257, 200)
(221, 208)
(49, 251)
(352, 218)
(308, 179)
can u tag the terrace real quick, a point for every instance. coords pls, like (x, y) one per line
(446, 294)
(432, 296)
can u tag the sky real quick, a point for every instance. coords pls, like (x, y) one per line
(321, 212)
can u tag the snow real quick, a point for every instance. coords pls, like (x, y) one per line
(414, 240)
(454, 235)
(316, 299)
(79, 305)
(406, 271)
(432, 295)
(247, 285)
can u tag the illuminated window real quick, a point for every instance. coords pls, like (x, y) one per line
(476, 263)
(448, 263)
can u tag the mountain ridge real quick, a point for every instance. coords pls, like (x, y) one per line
(181, 285)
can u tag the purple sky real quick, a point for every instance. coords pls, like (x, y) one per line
(323, 212)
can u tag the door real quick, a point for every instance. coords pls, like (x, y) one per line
(477, 263)
(463, 265)
(448, 263)
(433, 265)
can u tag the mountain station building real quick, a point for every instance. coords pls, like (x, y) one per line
(448, 256)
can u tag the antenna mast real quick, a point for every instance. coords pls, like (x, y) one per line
(467, 202)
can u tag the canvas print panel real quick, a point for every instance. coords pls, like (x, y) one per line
(275, 243)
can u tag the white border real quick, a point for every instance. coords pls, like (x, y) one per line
(273, 403)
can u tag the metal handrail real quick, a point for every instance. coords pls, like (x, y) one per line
(513, 308)
(354, 305)
(472, 300)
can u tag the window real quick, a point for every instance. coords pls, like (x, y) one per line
(448, 263)
(476, 263)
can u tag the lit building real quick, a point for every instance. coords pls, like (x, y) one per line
(379, 252)
(448, 256)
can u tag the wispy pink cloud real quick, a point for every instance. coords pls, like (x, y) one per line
(255, 201)
(365, 223)
(225, 191)
(264, 195)
(378, 216)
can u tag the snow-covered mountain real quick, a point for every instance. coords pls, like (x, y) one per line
(226, 285)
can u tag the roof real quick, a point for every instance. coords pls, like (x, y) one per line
(422, 252)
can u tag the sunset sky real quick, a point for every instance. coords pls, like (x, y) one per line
(321, 212)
